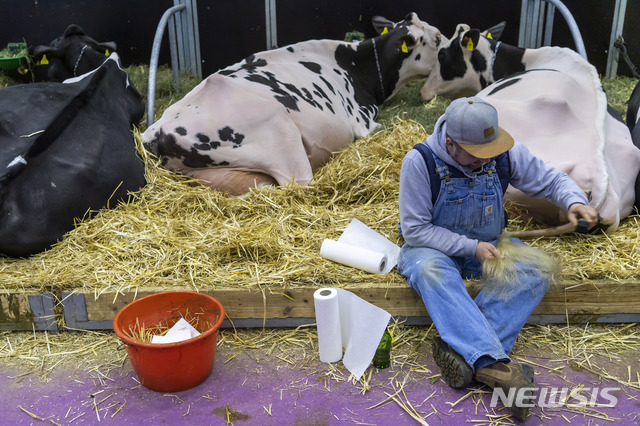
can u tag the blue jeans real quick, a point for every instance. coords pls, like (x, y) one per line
(482, 330)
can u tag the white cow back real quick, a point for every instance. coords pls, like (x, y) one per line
(559, 110)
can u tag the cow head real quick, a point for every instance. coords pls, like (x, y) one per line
(412, 42)
(464, 63)
(71, 55)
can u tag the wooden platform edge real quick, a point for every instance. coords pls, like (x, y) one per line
(573, 302)
(27, 312)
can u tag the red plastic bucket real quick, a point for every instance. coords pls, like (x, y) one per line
(171, 367)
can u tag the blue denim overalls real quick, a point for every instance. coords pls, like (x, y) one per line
(483, 330)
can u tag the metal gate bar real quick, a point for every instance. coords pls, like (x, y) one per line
(532, 24)
(270, 23)
(616, 31)
(184, 45)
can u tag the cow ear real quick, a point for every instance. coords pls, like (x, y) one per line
(405, 43)
(43, 50)
(461, 29)
(469, 39)
(382, 24)
(108, 46)
(496, 31)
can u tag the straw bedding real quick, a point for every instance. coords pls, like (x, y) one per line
(608, 352)
(173, 233)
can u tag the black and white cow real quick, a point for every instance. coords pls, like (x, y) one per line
(633, 115)
(468, 63)
(65, 149)
(633, 122)
(550, 99)
(279, 115)
(70, 55)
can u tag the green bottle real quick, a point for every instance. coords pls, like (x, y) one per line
(382, 357)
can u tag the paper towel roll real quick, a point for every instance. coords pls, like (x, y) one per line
(345, 321)
(358, 257)
(360, 235)
(326, 302)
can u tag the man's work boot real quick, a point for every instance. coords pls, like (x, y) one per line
(455, 370)
(510, 376)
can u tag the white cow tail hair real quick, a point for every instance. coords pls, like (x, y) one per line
(500, 274)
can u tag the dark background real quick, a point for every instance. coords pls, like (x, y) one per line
(231, 30)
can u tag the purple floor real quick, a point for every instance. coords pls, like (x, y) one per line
(251, 388)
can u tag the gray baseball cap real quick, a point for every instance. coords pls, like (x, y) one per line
(473, 124)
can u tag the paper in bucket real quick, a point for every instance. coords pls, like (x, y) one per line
(180, 331)
(344, 320)
(361, 247)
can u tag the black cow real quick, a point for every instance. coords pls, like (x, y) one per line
(65, 148)
(71, 55)
(633, 118)
(633, 121)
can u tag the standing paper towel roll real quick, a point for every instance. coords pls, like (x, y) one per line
(326, 302)
(346, 254)
(345, 321)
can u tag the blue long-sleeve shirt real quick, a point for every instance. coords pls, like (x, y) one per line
(529, 174)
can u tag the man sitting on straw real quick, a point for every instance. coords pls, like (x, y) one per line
(450, 233)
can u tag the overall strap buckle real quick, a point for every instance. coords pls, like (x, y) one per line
(442, 169)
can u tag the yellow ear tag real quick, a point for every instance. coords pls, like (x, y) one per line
(106, 52)
(404, 47)
(44, 60)
(386, 30)
(469, 44)
(489, 36)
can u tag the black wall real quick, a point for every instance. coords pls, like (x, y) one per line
(229, 31)
(131, 24)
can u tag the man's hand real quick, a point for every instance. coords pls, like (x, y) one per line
(485, 251)
(580, 211)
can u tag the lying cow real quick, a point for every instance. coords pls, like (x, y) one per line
(468, 63)
(65, 149)
(71, 55)
(279, 115)
(550, 99)
(633, 122)
(633, 115)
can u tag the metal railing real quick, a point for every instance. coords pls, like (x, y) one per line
(536, 24)
(616, 35)
(184, 46)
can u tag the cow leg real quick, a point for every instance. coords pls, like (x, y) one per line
(231, 182)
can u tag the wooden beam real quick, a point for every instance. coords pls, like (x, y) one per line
(588, 300)
(27, 311)
(292, 303)
(592, 298)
